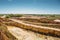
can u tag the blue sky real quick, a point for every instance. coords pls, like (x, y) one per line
(30, 6)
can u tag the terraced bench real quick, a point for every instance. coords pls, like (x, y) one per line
(43, 29)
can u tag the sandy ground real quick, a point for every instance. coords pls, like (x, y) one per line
(22, 34)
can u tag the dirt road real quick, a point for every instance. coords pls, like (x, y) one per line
(22, 34)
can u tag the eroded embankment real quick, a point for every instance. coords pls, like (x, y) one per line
(5, 34)
(46, 30)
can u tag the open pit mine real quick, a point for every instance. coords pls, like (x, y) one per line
(29, 29)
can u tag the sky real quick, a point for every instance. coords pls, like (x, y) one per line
(30, 6)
